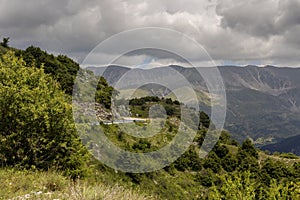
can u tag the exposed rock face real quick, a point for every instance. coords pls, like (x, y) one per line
(88, 110)
(102, 113)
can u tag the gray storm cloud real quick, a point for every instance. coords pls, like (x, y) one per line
(230, 30)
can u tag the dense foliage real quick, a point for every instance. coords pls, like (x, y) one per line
(62, 68)
(140, 106)
(104, 93)
(36, 129)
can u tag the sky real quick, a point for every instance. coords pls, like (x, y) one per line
(232, 32)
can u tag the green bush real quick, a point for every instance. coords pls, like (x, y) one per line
(229, 163)
(212, 162)
(249, 148)
(220, 150)
(206, 178)
(189, 161)
(104, 93)
(36, 127)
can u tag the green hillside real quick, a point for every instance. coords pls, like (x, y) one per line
(42, 155)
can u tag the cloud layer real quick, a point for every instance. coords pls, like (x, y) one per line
(232, 31)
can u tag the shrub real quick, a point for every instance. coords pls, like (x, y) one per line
(36, 129)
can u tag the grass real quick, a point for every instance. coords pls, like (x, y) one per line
(107, 184)
(17, 185)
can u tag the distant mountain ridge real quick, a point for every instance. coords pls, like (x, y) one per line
(290, 144)
(263, 102)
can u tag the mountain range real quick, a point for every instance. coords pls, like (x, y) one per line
(263, 103)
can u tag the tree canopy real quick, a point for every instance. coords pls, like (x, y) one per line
(5, 42)
(36, 128)
(62, 68)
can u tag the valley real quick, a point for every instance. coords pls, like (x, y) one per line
(263, 102)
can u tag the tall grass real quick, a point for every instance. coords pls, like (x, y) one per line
(17, 185)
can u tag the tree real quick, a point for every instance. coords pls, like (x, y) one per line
(246, 162)
(189, 161)
(169, 101)
(296, 170)
(5, 42)
(104, 93)
(229, 163)
(62, 68)
(212, 162)
(142, 145)
(204, 120)
(220, 150)
(249, 148)
(36, 127)
(206, 178)
(225, 137)
(170, 110)
(273, 170)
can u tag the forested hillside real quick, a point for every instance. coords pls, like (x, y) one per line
(42, 155)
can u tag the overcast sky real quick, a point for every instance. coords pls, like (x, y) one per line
(232, 31)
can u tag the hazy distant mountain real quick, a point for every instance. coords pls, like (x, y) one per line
(290, 144)
(263, 102)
